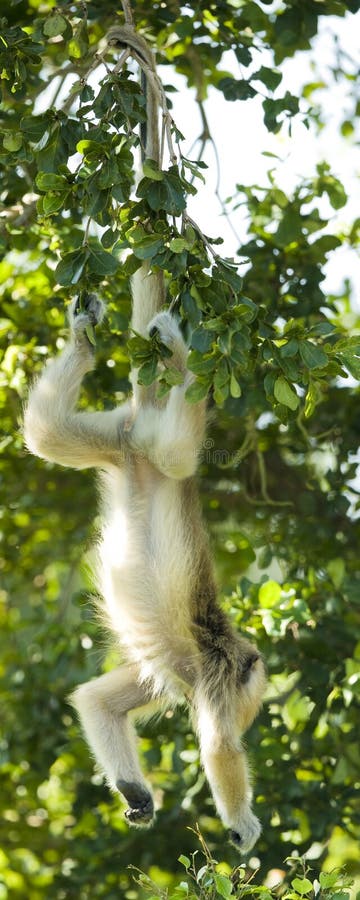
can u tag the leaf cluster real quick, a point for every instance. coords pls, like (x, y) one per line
(207, 880)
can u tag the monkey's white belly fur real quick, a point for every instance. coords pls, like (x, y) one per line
(156, 574)
(146, 560)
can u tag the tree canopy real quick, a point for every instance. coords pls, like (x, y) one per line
(279, 359)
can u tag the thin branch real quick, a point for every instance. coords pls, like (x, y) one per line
(86, 232)
(187, 219)
(121, 61)
(263, 483)
(204, 137)
(127, 13)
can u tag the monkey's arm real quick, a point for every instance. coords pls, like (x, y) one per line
(53, 429)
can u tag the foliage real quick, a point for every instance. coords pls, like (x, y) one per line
(279, 360)
(212, 880)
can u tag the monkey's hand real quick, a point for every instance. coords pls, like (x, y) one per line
(83, 318)
(164, 324)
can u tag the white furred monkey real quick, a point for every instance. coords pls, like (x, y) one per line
(155, 572)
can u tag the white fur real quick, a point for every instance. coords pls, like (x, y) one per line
(151, 551)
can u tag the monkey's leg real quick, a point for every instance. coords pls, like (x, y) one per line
(103, 706)
(172, 435)
(226, 768)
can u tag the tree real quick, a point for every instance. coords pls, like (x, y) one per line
(273, 352)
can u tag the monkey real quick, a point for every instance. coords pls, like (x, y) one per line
(154, 569)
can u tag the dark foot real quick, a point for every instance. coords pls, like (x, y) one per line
(141, 807)
(90, 305)
(236, 839)
(248, 833)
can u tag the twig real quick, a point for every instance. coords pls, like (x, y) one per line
(263, 483)
(127, 13)
(187, 219)
(86, 233)
(204, 137)
(122, 59)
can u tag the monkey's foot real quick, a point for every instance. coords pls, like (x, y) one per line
(92, 308)
(247, 834)
(164, 324)
(83, 318)
(141, 807)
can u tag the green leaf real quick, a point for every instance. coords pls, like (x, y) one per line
(79, 44)
(149, 246)
(54, 152)
(139, 348)
(222, 374)
(313, 397)
(296, 713)
(109, 174)
(290, 348)
(172, 376)
(5, 326)
(197, 391)
(270, 77)
(335, 191)
(147, 372)
(90, 334)
(201, 365)
(243, 55)
(224, 886)
(71, 266)
(245, 309)
(235, 389)
(234, 89)
(87, 94)
(185, 861)
(52, 202)
(190, 308)
(177, 245)
(194, 168)
(274, 109)
(12, 141)
(48, 181)
(201, 340)
(54, 25)
(328, 879)
(269, 594)
(100, 262)
(285, 393)
(324, 328)
(228, 274)
(151, 170)
(90, 149)
(34, 127)
(312, 356)
(337, 570)
(302, 885)
(166, 195)
(351, 362)
(221, 382)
